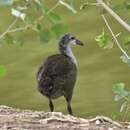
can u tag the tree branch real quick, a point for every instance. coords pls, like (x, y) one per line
(50, 10)
(113, 14)
(19, 29)
(114, 37)
(10, 26)
(10, 30)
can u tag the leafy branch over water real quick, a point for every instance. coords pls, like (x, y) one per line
(122, 94)
(20, 10)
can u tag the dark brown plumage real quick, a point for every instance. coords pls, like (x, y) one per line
(57, 75)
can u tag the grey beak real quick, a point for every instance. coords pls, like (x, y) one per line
(78, 42)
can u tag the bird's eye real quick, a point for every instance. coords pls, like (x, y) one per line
(72, 38)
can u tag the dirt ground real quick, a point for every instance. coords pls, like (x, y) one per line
(16, 119)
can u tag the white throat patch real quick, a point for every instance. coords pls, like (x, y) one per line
(70, 54)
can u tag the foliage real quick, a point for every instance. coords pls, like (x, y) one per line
(124, 95)
(20, 10)
(34, 22)
(104, 40)
(46, 23)
(3, 71)
(127, 4)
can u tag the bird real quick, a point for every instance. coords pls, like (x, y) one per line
(57, 75)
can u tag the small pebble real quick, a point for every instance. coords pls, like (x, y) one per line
(97, 122)
(128, 126)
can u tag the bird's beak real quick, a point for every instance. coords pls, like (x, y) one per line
(78, 42)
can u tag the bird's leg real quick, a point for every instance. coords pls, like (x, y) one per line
(69, 106)
(51, 105)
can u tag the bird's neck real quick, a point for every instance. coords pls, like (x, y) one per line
(66, 50)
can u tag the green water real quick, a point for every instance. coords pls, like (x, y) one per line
(98, 69)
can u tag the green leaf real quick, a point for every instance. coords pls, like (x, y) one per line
(41, 6)
(118, 87)
(59, 29)
(9, 39)
(54, 18)
(120, 92)
(51, 16)
(29, 19)
(44, 35)
(6, 2)
(103, 40)
(127, 41)
(127, 4)
(39, 27)
(124, 58)
(3, 71)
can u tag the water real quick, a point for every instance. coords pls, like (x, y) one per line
(98, 69)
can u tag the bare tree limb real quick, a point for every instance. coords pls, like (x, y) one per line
(113, 14)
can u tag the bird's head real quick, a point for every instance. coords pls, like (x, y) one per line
(69, 40)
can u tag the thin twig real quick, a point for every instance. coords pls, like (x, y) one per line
(19, 29)
(114, 15)
(117, 35)
(7, 30)
(50, 10)
(67, 6)
(126, 112)
(83, 5)
(54, 7)
(114, 37)
(27, 26)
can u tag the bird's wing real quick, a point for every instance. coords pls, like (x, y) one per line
(56, 65)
